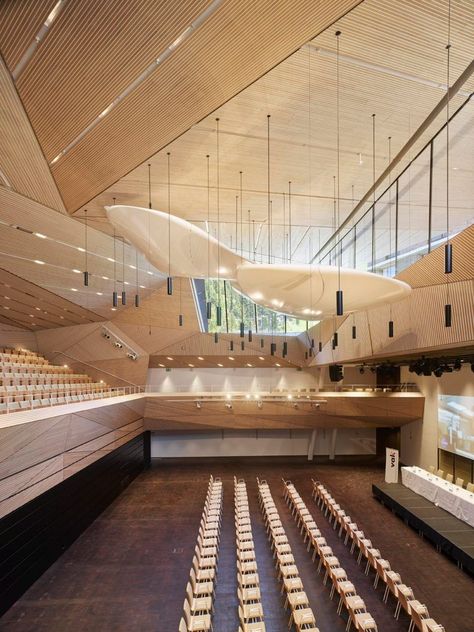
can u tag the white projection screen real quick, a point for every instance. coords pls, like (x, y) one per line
(456, 424)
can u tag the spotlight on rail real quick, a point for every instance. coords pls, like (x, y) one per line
(228, 405)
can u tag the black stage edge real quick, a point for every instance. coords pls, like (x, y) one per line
(451, 536)
(33, 536)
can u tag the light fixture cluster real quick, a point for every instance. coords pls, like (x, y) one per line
(119, 344)
(437, 366)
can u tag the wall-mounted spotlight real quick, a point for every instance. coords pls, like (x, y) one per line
(260, 403)
(228, 405)
(118, 344)
(198, 405)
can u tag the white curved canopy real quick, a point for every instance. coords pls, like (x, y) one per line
(194, 253)
(309, 292)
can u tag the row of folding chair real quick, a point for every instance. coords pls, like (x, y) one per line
(357, 613)
(17, 379)
(17, 351)
(248, 590)
(198, 604)
(302, 616)
(358, 541)
(32, 367)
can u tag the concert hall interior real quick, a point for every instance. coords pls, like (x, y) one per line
(236, 315)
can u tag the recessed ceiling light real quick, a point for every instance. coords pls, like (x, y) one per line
(110, 259)
(247, 396)
(191, 365)
(7, 297)
(126, 283)
(318, 312)
(149, 272)
(162, 366)
(219, 364)
(73, 289)
(99, 293)
(6, 307)
(168, 358)
(31, 315)
(289, 396)
(248, 364)
(143, 287)
(231, 358)
(105, 278)
(133, 267)
(228, 396)
(76, 271)
(261, 358)
(81, 249)
(200, 358)
(38, 308)
(40, 235)
(61, 317)
(38, 261)
(276, 364)
(113, 309)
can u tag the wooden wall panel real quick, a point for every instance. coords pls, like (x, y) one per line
(21, 159)
(35, 456)
(166, 412)
(11, 336)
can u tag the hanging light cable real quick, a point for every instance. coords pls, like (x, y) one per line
(114, 293)
(390, 322)
(242, 322)
(269, 212)
(124, 294)
(86, 273)
(354, 327)
(373, 203)
(209, 303)
(339, 292)
(137, 294)
(180, 317)
(448, 248)
(250, 305)
(169, 281)
(218, 308)
(289, 221)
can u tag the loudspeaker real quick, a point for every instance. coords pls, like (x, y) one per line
(336, 372)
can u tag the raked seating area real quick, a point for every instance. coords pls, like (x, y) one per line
(358, 541)
(28, 380)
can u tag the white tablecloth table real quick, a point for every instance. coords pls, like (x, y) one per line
(450, 497)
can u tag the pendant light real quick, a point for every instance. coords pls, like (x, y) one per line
(448, 248)
(231, 345)
(242, 345)
(137, 295)
(250, 329)
(390, 320)
(354, 332)
(169, 280)
(114, 293)
(373, 203)
(208, 304)
(285, 343)
(124, 294)
(339, 293)
(86, 273)
(269, 227)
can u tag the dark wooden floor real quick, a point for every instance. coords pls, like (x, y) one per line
(129, 570)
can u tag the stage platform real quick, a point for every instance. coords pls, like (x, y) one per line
(453, 537)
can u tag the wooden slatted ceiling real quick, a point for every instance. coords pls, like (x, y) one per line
(370, 35)
(19, 298)
(19, 23)
(240, 42)
(21, 158)
(430, 269)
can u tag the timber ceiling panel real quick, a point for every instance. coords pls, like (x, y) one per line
(23, 167)
(103, 47)
(29, 306)
(241, 360)
(20, 21)
(392, 67)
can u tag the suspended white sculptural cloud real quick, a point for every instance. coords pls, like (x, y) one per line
(302, 291)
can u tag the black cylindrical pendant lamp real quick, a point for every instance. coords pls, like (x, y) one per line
(250, 335)
(180, 320)
(262, 343)
(242, 345)
(86, 278)
(335, 340)
(339, 303)
(124, 297)
(285, 349)
(448, 314)
(310, 352)
(216, 337)
(242, 330)
(390, 329)
(231, 346)
(312, 343)
(219, 315)
(137, 300)
(273, 348)
(114, 299)
(320, 346)
(354, 332)
(169, 285)
(209, 310)
(448, 258)
(305, 355)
